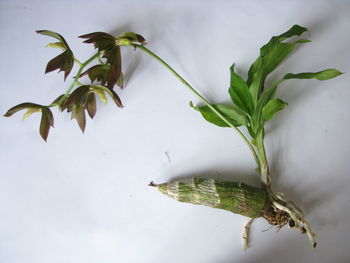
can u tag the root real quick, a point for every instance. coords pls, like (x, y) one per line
(246, 233)
(284, 211)
(275, 216)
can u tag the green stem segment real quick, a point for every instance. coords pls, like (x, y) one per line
(183, 81)
(264, 166)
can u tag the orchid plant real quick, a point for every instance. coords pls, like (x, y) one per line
(253, 105)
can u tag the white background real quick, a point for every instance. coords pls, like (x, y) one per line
(84, 198)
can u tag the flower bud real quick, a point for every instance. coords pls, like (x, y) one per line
(122, 41)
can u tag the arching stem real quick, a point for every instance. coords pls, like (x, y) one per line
(186, 84)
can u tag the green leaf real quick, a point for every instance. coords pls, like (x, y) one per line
(268, 93)
(295, 30)
(275, 56)
(321, 75)
(64, 61)
(266, 96)
(46, 122)
(301, 41)
(265, 65)
(271, 108)
(271, 55)
(257, 120)
(239, 92)
(22, 106)
(232, 114)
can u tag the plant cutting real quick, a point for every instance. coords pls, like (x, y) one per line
(253, 105)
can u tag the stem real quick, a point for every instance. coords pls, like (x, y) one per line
(260, 157)
(264, 166)
(100, 60)
(75, 81)
(278, 201)
(186, 84)
(77, 61)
